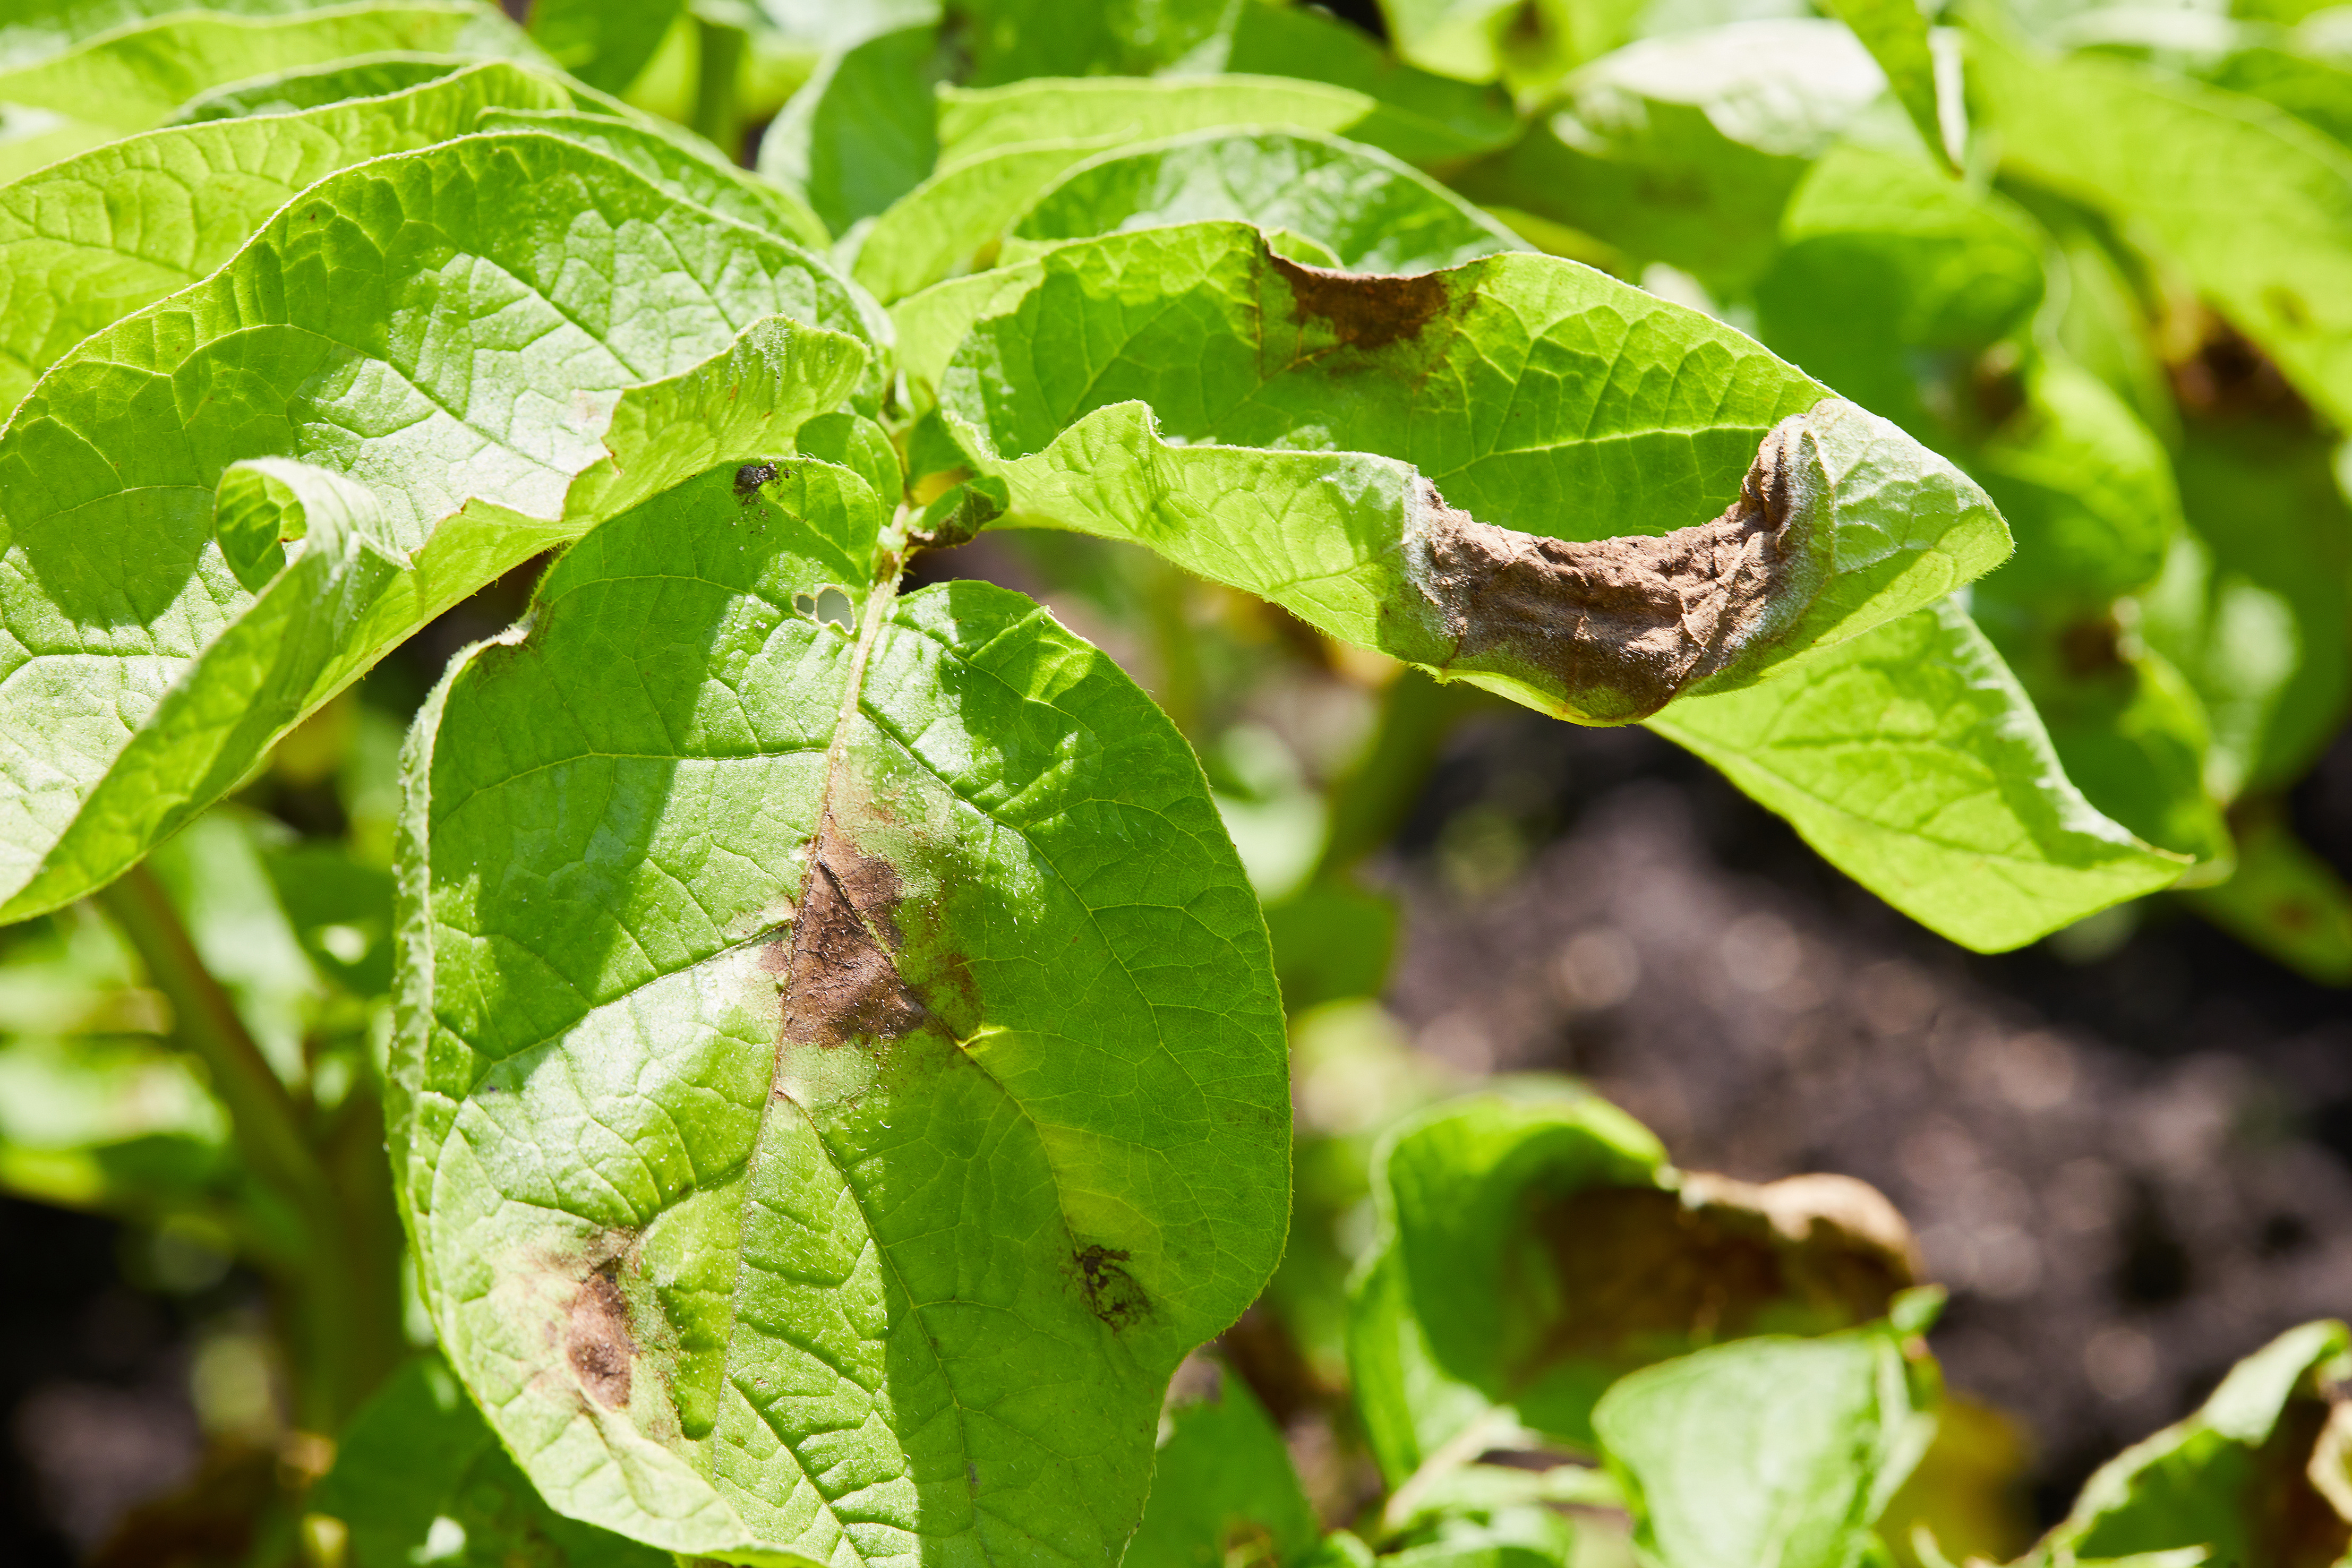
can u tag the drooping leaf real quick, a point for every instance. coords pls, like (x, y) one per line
(1001, 147)
(2231, 1477)
(1545, 1249)
(863, 130)
(1015, 39)
(573, 341)
(1420, 116)
(1369, 211)
(313, 87)
(419, 1478)
(1896, 33)
(1223, 1486)
(604, 43)
(2285, 901)
(1683, 149)
(1186, 389)
(1910, 758)
(2254, 205)
(131, 79)
(1770, 1452)
(193, 195)
(840, 1073)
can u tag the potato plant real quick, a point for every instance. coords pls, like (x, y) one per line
(829, 1049)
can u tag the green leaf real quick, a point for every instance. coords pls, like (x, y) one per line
(70, 266)
(1187, 389)
(418, 1478)
(37, 30)
(1420, 116)
(2226, 1478)
(1414, 1413)
(1223, 1486)
(1332, 940)
(1910, 758)
(1002, 147)
(1768, 1453)
(571, 341)
(863, 132)
(2255, 205)
(1895, 33)
(1011, 40)
(2316, 91)
(313, 87)
(2285, 901)
(1545, 1249)
(2088, 489)
(1371, 212)
(604, 43)
(684, 165)
(1526, 43)
(1883, 257)
(131, 79)
(2265, 633)
(840, 1073)
(1683, 149)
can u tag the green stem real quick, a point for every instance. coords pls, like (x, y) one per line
(719, 56)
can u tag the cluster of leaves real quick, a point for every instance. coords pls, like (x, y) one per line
(832, 1053)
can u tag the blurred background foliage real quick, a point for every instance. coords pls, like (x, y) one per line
(2096, 253)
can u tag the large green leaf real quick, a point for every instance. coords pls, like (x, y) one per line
(313, 87)
(1768, 1453)
(132, 79)
(32, 31)
(1911, 760)
(1187, 389)
(1223, 1486)
(1685, 148)
(1369, 211)
(2231, 1477)
(2256, 205)
(457, 358)
(840, 1072)
(86, 242)
(1001, 147)
(419, 1478)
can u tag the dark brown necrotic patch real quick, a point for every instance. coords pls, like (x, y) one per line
(597, 1341)
(841, 983)
(1622, 624)
(1364, 309)
(1110, 1290)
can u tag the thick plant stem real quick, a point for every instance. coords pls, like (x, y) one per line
(325, 1291)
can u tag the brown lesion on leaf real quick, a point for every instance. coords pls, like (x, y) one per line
(1364, 309)
(1111, 1292)
(841, 979)
(1622, 625)
(1639, 1272)
(598, 1342)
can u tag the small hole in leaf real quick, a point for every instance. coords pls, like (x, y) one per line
(835, 608)
(803, 605)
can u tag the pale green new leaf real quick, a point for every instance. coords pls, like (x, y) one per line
(840, 1072)
(1768, 1453)
(1895, 33)
(2224, 1478)
(132, 79)
(2256, 205)
(1912, 760)
(1222, 1484)
(1367, 210)
(420, 1479)
(1000, 147)
(571, 341)
(1288, 431)
(86, 242)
